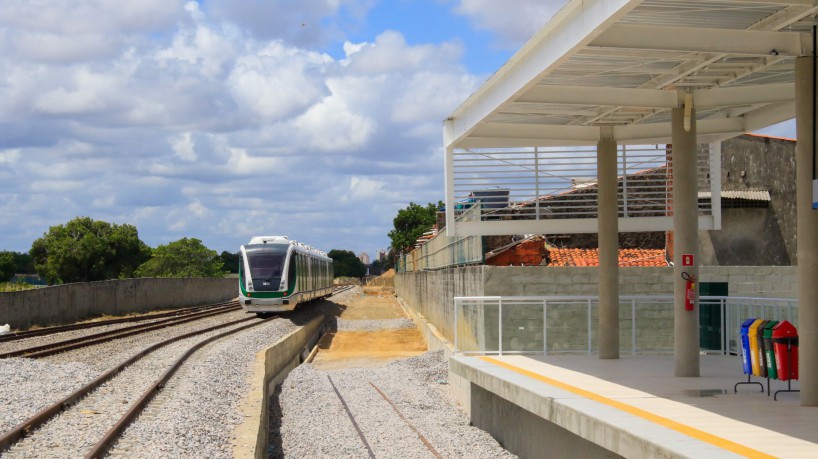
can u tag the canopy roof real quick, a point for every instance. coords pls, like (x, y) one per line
(625, 64)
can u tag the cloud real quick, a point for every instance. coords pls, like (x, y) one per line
(218, 120)
(513, 26)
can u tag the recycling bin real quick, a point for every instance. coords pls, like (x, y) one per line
(754, 356)
(785, 344)
(745, 346)
(769, 353)
(762, 355)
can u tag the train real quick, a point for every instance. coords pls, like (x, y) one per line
(277, 274)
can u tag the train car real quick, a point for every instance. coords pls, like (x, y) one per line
(277, 274)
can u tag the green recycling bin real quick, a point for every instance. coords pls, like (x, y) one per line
(772, 371)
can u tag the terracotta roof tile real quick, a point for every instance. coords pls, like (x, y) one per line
(590, 257)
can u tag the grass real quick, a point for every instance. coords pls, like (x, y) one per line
(15, 286)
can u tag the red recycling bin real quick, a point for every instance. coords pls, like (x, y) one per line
(785, 345)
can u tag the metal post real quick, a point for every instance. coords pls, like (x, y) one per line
(589, 326)
(455, 325)
(545, 326)
(633, 326)
(500, 326)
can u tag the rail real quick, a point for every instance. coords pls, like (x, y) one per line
(568, 324)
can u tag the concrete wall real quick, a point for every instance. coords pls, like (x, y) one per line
(72, 302)
(432, 294)
(527, 434)
(270, 369)
(755, 237)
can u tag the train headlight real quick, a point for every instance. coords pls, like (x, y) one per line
(249, 286)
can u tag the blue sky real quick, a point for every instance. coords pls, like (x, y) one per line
(221, 120)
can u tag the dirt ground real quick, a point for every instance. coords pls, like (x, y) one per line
(367, 349)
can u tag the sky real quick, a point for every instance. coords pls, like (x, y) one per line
(223, 119)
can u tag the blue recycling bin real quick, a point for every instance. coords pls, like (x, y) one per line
(745, 346)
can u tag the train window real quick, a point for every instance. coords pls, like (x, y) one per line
(265, 270)
(291, 274)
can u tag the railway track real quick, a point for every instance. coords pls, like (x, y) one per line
(19, 335)
(70, 402)
(44, 350)
(91, 403)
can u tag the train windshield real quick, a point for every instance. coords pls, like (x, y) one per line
(266, 268)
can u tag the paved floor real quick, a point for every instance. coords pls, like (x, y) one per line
(705, 408)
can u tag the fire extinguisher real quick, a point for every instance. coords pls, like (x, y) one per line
(690, 291)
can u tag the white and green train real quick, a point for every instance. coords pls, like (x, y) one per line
(277, 274)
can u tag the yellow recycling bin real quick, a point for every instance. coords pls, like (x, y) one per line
(754, 348)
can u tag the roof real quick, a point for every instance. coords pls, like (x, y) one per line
(748, 195)
(620, 66)
(590, 257)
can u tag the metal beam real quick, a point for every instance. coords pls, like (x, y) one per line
(572, 28)
(744, 95)
(585, 95)
(569, 226)
(703, 40)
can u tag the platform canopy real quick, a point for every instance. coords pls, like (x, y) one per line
(619, 67)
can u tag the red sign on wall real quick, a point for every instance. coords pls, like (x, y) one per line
(687, 259)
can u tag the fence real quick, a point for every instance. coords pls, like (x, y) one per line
(567, 324)
(443, 251)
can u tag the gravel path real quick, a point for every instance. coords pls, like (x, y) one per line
(310, 421)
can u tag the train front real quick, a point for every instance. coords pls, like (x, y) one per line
(263, 285)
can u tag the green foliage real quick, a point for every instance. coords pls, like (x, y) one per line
(25, 263)
(86, 250)
(15, 286)
(7, 266)
(231, 261)
(411, 223)
(346, 264)
(187, 257)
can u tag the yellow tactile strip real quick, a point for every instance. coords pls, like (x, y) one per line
(660, 420)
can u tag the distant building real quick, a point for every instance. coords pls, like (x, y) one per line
(364, 257)
(382, 254)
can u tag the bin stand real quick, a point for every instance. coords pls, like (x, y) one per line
(789, 380)
(749, 375)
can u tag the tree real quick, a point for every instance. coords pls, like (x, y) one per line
(86, 250)
(411, 223)
(187, 257)
(25, 264)
(231, 261)
(346, 264)
(7, 266)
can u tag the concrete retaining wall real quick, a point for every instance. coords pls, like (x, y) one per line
(69, 303)
(432, 293)
(270, 369)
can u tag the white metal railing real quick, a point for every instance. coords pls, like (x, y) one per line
(443, 251)
(565, 324)
(548, 183)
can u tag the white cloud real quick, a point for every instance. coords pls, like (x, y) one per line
(332, 126)
(9, 157)
(513, 25)
(181, 114)
(184, 147)
(277, 82)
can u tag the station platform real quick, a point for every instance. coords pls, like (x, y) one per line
(581, 406)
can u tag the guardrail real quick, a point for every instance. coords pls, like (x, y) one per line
(567, 324)
(443, 251)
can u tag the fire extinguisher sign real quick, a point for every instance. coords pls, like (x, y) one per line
(687, 259)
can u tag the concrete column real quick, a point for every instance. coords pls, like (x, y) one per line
(608, 215)
(807, 232)
(685, 241)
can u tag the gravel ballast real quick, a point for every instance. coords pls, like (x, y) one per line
(309, 420)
